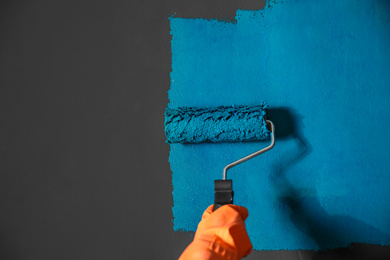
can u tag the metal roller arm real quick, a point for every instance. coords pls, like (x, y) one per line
(227, 167)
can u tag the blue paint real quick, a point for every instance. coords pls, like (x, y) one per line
(237, 123)
(324, 68)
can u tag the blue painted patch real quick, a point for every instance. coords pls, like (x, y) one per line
(324, 69)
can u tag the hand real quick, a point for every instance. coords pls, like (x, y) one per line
(221, 235)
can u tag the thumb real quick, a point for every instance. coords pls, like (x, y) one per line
(241, 210)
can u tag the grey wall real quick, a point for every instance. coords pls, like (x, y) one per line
(83, 164)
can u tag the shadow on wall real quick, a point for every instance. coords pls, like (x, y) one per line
(288, 126)
(305, 212)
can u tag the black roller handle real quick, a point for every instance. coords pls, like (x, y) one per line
(223, 193)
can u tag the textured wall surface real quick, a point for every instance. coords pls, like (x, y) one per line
(324, 69)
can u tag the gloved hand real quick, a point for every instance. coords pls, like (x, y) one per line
(220, 235)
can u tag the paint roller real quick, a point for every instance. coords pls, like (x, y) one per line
(237, 123)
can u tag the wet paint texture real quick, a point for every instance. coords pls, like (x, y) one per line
(324, 69)
(235, 123)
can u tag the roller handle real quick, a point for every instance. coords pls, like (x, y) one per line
(223, 193)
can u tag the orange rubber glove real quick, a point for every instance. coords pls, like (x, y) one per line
(220, 235)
